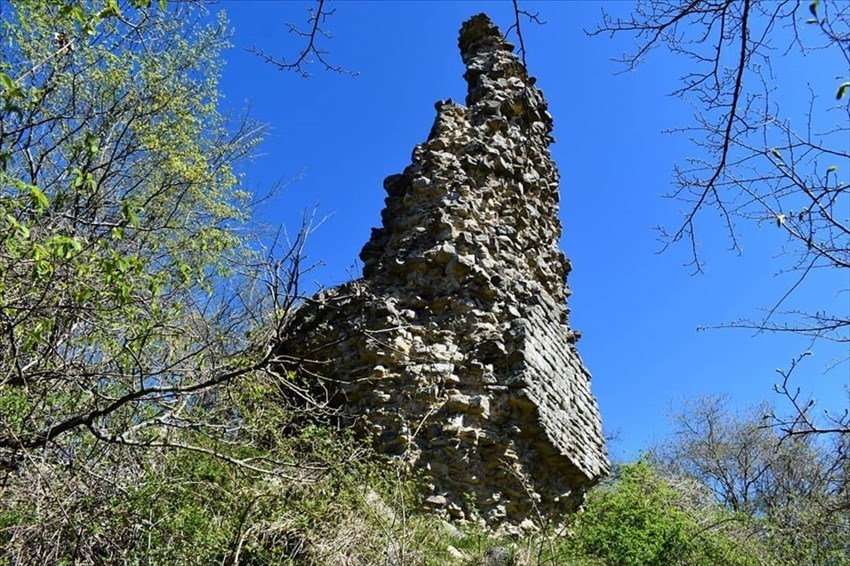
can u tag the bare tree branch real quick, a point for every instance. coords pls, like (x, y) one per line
(752, 164)
(516, 27)
(318, 15)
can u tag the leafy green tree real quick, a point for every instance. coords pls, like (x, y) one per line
(119, 206)
(132, 295)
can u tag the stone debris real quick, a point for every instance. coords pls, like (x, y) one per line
(453, 351)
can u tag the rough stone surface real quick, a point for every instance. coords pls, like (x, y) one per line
(498, 556)
(454, 351)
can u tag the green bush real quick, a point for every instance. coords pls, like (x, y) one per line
(639, 518)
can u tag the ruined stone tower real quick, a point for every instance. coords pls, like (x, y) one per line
(454, 351)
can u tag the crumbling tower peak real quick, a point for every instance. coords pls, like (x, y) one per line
(454, 350)
(497, 81)
(479, 33)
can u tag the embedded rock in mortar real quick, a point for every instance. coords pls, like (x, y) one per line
(454, 351)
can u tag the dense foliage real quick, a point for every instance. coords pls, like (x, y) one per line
(129, 298)
(641, 519)
(118, 203)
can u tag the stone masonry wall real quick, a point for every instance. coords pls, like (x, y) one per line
(454, 351)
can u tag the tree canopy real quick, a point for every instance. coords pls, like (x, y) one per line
(131, 290)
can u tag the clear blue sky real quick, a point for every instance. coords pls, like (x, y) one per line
(335, 137)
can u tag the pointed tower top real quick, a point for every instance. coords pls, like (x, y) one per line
(479, 33)
(497, 81)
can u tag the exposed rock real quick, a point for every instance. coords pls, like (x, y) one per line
(456, 554)
(454, 350)
(498, 556)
